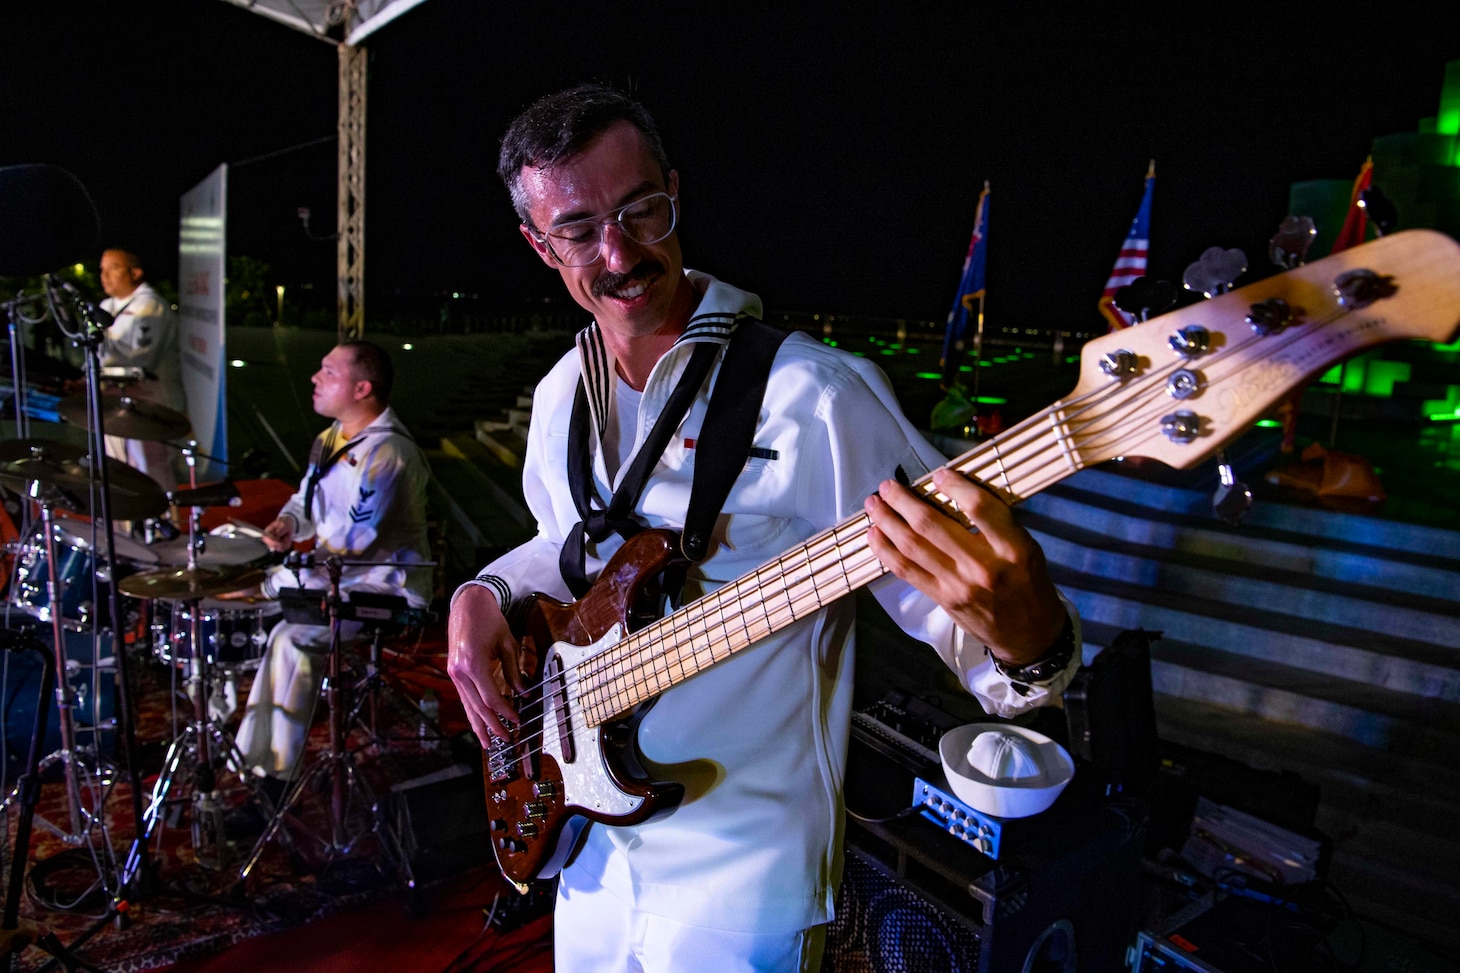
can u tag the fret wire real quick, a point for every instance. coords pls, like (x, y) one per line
(1025, 454)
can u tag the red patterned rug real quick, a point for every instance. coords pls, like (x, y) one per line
(352, 871)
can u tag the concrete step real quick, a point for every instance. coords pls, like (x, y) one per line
(1366, 714)
(1376, 787)
(504, 442)
(482, 500)
(1255, 586)
(1426, 572)
(1119, 486)
(1250, 636)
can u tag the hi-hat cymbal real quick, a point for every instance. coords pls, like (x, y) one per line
(127, 416)
(183, 584)
(64, 473)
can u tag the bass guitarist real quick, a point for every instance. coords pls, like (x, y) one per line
(741, 874)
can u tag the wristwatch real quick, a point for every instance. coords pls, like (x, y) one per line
(1047, 666)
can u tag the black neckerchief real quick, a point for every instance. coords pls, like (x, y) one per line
(320, 468)
(596, 522)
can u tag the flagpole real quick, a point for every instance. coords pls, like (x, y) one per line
(977, 352)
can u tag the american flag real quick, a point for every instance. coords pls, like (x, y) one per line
(1132, 260)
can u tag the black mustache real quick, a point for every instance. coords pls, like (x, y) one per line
(611, 281)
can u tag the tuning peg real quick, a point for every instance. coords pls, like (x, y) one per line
(1214, 272)
(1380, 209)
(1232, 498)
(1270, 316)
(1360, 287)
(1145, 297)
(1289, 246)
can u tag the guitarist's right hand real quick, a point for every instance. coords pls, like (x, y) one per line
(482, 660)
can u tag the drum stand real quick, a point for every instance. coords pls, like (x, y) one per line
(196, 753)
(371, 692)
(84, 823)
(16, 936)
(348, 790)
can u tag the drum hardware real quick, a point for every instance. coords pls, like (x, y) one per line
(15, 937)
(84, 822)
(127, 416)
(380, 614)
(203, 746)
(68, 475)
(348, 789)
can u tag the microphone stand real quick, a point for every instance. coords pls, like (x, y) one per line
(137, 876)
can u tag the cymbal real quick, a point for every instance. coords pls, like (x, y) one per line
(218, 550)
(64, 474)
(182, 584)
(127, 416)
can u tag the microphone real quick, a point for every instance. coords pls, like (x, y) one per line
(48, 217)
(61, 294)
(210, 495)
(102, 317)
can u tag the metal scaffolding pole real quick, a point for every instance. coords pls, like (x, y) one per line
(350, 253)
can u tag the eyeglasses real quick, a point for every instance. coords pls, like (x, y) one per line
(647, 220)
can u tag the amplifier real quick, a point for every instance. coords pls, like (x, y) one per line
(972, 827)
(1233, 935)
(1062, 895)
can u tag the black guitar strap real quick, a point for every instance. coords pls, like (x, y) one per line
(729, 429)
(720, 454)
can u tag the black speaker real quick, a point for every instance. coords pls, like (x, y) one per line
(440, 820)
(1061, 898)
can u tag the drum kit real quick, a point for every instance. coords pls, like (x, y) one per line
(95, 587)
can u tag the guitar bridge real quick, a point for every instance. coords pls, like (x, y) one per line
(501, 756)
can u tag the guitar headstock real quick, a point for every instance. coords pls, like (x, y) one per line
(1179, 387)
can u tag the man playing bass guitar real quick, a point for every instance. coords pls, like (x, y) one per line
(741, 873)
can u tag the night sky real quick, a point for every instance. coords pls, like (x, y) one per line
(830, 158)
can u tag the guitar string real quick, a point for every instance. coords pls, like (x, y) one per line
(623, 654)
(852, 556)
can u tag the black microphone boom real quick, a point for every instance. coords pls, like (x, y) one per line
(223, 494)
(47, 220)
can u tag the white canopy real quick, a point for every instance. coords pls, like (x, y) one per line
(318, 17)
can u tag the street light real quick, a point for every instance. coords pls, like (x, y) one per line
(280, 320)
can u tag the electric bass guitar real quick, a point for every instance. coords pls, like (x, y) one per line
(1175, 389)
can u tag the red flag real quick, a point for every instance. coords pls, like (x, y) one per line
(1356, 223)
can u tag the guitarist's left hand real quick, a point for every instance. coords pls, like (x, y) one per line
(993, 583)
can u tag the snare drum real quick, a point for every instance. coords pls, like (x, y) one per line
(234, 633)
(76, 567)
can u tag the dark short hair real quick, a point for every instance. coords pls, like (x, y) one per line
(557, 127)
(371, 363)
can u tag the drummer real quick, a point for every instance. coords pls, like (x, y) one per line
(363, 498)
(143, 336)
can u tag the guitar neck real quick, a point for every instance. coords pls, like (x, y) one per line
(1136, 396)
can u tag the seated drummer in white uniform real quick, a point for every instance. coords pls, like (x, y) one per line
(363, 498)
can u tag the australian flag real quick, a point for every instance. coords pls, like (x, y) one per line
(970, 289)
(1131, 263)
